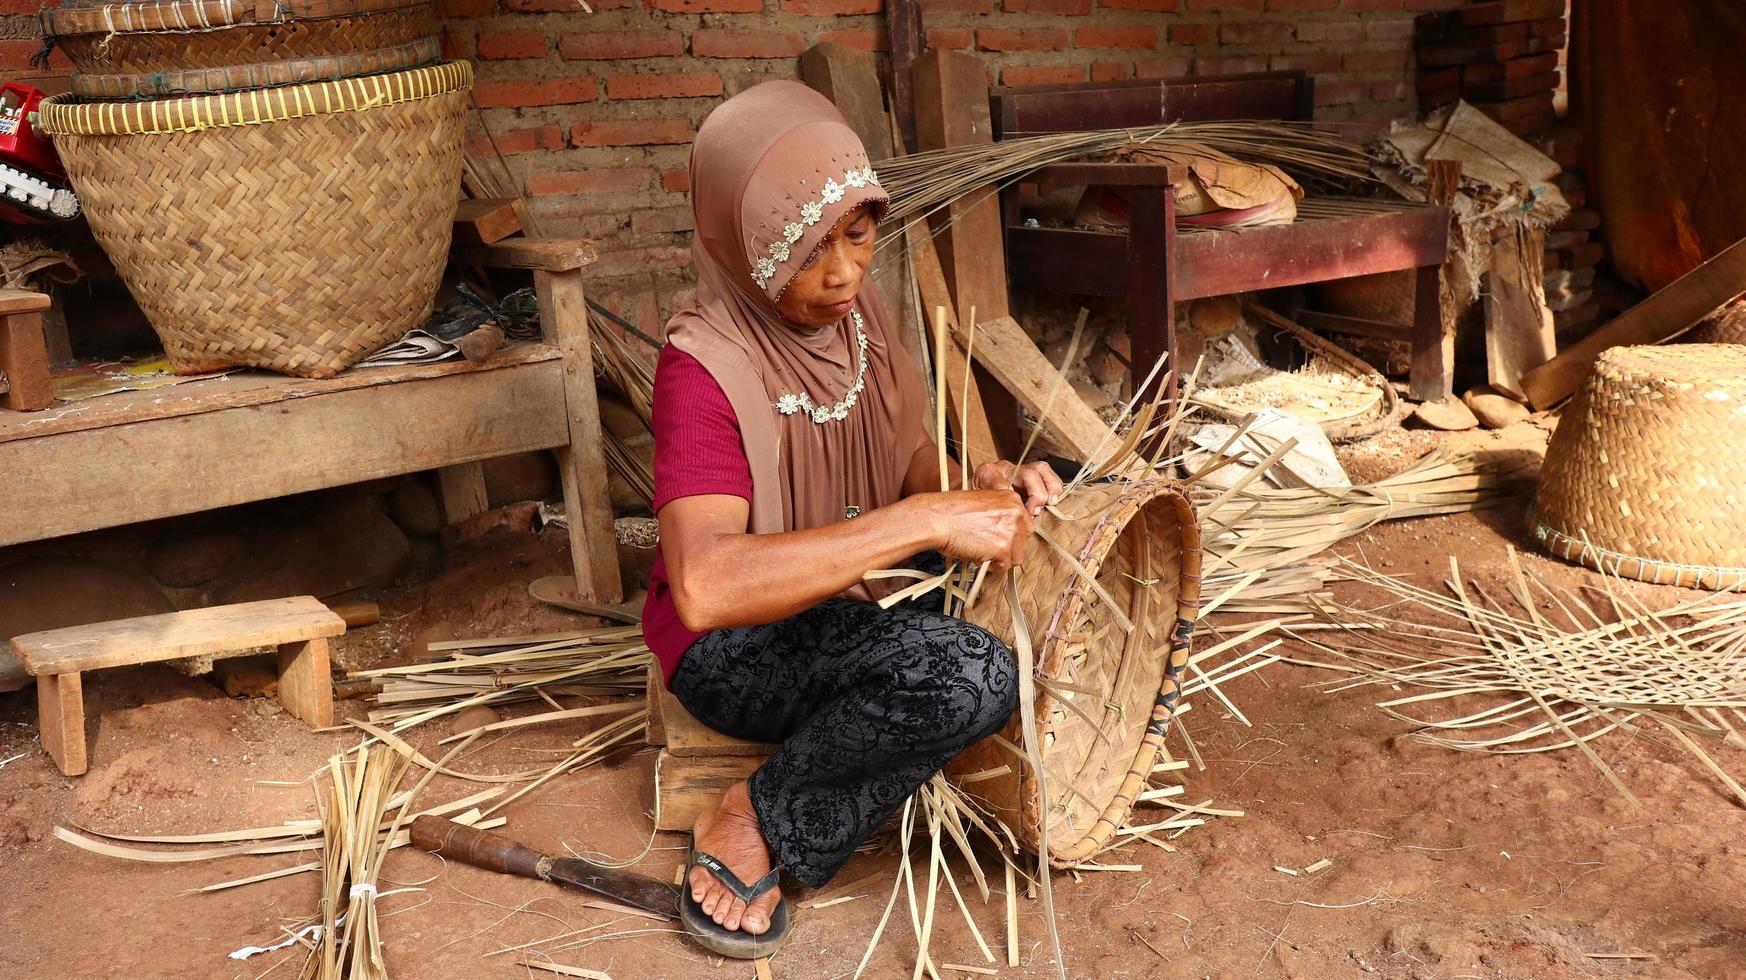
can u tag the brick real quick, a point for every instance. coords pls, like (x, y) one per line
(511, 45)
(616, 181)
(16, 7)
(954, 38)
(1311, 64)
(617, 45)
(1117, 37)
(1375, 61)
(726, 43)
(1021, 39)
(1110, 71)
(1302, 5)
(465, 8)
(457, 44)
(1393, 91)
(1339, 93)
(650, 132)
(632, 261)
(1254, 32)
(1388, 29)
(1230, 64)
(1220, 6)
(1161, 68)
(832, 7)
(15, 53)
(682, 85)
(1155, 5)
(676, 181)
(548, 6)
(1071, 8)
(1370, 6)
(661, 221)
(534, 92)
(955, 7)
(1191, 33)
(708, 6)
(1330, 32)
(866, 40)
(1432, 5)
(520, 141)
(1041, 74)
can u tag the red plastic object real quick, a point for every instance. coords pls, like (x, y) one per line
(19, 143)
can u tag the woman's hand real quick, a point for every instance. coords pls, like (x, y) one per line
(978, 525)
(1035, 482)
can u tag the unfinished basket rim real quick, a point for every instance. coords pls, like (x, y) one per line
(187, 16)
(64, 116)
(267, 74)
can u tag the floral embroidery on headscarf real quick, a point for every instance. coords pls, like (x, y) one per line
(811, 212)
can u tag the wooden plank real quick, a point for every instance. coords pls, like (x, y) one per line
(461, 489)
(486, 220)
(80, 480)
(849, 77)
(24, 360)
(951, 110)
(1432, 377)
(963, 394)
(1007, 351)
(1675, 307)
(60, 717)
(581, 456)
(1519, 335)
(1307, 251)
(306, 681)
(184, 633)
(688, 786)
(546, 254)
(903, 25)
(23, 301)
(690, 738)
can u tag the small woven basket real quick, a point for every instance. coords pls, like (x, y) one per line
(179, 35)
(242, 78)
(1141, 543)
(1646, 475)
(293, 229)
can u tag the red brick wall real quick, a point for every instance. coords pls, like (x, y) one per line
(594, 112)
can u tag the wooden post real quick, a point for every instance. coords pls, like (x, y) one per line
(306, 681)
(461, 488)
(1433, 368)
(24, 351)
(581, 464)
(903, 23)
(1151, 307)
(60, 717)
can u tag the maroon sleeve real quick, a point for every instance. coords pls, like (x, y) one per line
(697, 436)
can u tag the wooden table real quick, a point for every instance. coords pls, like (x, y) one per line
(143, 455)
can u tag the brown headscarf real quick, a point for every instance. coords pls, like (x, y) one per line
(773, 170)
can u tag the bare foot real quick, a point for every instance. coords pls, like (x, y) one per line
(730, 833)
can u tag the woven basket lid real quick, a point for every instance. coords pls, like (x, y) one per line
(200, 15)
(1646, 476)
(267, 74)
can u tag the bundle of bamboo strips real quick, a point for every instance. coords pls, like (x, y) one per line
(1547, 680)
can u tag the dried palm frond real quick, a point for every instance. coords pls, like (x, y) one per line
(360, 785)
(1547, 680)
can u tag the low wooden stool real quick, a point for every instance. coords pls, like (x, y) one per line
(24, 359)
(697, 763)
(298, 626)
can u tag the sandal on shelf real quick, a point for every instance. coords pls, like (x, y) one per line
(719, 939)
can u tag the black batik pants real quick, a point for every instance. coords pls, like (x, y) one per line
(868, 703)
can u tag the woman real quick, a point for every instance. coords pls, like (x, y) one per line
(791, 458)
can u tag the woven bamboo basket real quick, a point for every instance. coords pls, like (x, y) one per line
(293, 229)
(242, 78)
(1646, 477)
(1123, 536)
(179, 35)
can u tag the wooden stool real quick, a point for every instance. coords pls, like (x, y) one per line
(298, 626)
(697, 763)
(24, 359)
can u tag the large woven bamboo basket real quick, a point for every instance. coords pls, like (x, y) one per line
(1646, 475)
(179, 35)
(242, 78)
(293, 229)
(1140, 542)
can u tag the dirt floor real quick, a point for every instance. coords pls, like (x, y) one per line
(1443, 865)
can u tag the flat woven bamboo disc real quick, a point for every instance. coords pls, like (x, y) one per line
(241, 78)
(1141, 543)
(1646, 475)
(294, 229)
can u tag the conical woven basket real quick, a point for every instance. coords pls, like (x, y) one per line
(1646, 475)
(241, 78)
(293, 229)
(1141, 543)
(178, 35)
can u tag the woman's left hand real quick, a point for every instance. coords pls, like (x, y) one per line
(1035, 482)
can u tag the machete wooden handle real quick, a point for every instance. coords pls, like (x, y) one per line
(479, 848)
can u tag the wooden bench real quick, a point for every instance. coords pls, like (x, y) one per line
(298, 626)
(697, 763)
(1155, 265)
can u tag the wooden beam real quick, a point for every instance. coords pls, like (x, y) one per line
(1433, 358)
(461, 490)
(486, 220)
(60, 719)
(24, 358)
(543, 254)
(582, 456)
(1006, 350)
(1677, 306)
(1519, 335)
(903, 24)
(306, 681)
(963, 400)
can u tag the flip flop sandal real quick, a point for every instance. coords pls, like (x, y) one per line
(718, 939)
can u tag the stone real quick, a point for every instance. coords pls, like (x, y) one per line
(1216, 315)
(1105, 367)
(1094, 397)
(468, 719)
(517, 518)
(342, 549)
(414, 507)
(247, 677)
(185, 559)
(50, 592)
(521, 476)
(1449, 415)
(1494, 409)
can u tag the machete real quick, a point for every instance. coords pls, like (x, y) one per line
(494, 853)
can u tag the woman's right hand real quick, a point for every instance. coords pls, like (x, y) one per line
(979, 525)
